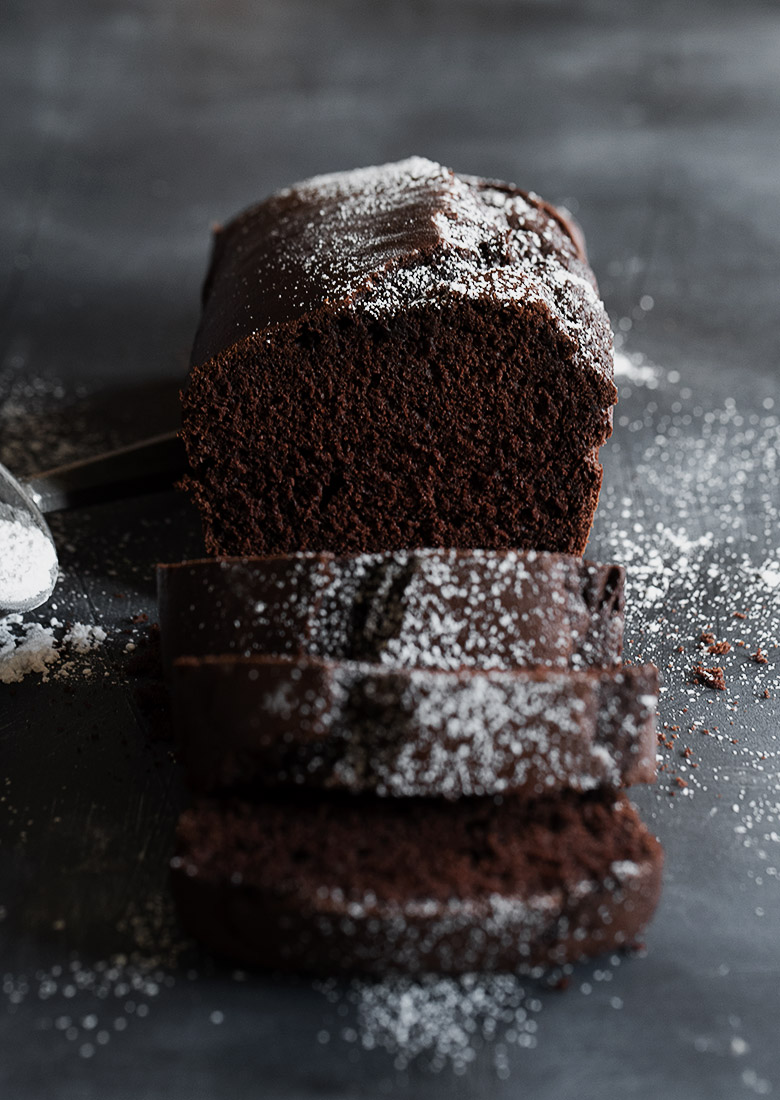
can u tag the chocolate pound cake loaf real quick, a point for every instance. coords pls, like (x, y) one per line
(398, 357)
(443, 609)
(406, 732)
(370, 885)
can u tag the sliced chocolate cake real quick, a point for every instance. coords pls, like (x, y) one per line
(398, 357)
(371, 885)
(405, 732)
(417, 752)
(444, 609)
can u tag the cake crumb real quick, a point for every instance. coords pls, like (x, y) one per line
(710, 677)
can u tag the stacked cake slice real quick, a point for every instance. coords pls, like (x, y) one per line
(413, 760)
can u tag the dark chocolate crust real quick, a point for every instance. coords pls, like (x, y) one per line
(408, 732)
(373, 885)
(272, 247)
(444, 609)
(398, 357)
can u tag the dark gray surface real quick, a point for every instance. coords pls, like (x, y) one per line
(125, 132)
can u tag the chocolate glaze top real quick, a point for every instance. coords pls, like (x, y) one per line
(382, 239)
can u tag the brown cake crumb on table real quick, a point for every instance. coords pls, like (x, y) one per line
(710, 677)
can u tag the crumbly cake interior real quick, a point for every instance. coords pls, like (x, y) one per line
(441, 426)
(397, 851)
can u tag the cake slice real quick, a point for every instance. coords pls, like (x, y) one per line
(371, 885)
(394, 357)
(446, 609)
(247, 721)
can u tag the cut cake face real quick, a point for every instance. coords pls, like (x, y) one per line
(377, 885)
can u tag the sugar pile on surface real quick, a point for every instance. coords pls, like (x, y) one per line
(34, 647)
(443, 1020)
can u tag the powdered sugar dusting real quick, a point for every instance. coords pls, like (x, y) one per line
(443, 1019)
(460, 735)
(90, 1003)
(28, 560)
(484, 242)
(39, 648)
(44, 423)
(703, 591)
(713, 475)
(382, 240)
(634, 368)
(441, 609)
(445, 1023)
(421, 732)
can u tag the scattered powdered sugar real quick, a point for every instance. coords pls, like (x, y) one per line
(44, 424)
(83, 637)
(685, 572)
(475, 733)
(441, 1019)
(635, 368)
(445, 1023)
(698, 536)
(28, 560)
(90, 1003)
(35, 647)
(695, 524)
